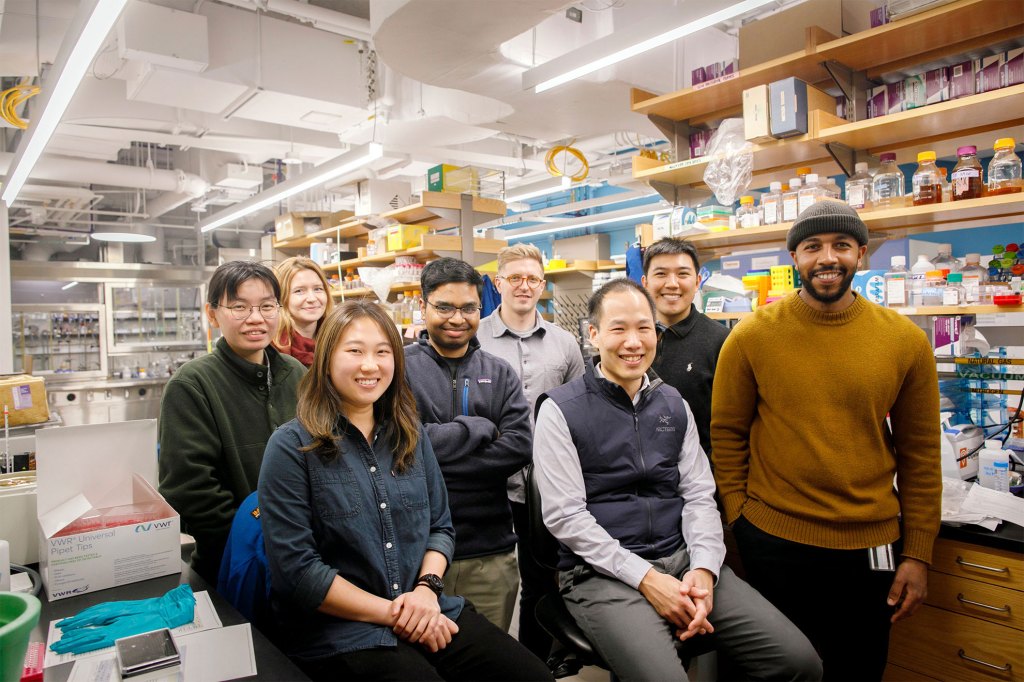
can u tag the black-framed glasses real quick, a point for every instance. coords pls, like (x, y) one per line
(515, 280)
(446, 311)
(242, 311)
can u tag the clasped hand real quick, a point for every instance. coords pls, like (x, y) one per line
(685, 603)
(418, 619)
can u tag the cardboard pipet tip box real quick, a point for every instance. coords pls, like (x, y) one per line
(101, 521)
(25, 398)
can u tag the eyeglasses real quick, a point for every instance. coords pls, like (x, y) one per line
(446, 311)
(241, 311)
(515, 280)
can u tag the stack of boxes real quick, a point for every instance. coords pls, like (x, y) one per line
(945, 83)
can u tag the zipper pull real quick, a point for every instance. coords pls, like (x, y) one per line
(465, 398)
(636, 423)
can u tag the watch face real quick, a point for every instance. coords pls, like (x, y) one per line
(433, 582)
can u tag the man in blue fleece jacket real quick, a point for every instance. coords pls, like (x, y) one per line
(473, 409)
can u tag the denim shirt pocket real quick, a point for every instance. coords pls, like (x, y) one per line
(412, 486)
(334, 491)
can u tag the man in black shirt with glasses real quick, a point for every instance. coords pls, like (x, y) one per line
(472, 407)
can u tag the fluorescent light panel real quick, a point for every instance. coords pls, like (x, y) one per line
(92, 24)
(611, 218)
(651, 43)
(336, 167)
(69, 285)
(126, 237)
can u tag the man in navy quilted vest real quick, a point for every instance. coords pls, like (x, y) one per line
(627, 491)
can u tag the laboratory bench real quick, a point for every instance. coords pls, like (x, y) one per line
(271, 663)
(972, 622)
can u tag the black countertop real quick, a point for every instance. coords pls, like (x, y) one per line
(271, 664)
(1008, 536)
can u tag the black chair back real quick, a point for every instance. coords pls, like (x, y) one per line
(543, 546)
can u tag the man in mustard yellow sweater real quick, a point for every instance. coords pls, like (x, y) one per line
(804, 459)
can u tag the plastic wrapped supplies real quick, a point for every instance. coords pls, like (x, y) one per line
(730, 162)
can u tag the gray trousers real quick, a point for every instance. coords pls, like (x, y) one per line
(639, 644)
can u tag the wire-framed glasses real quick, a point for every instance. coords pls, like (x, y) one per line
(242, 311)
(446, 311)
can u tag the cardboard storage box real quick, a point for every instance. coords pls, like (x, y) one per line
(101, 521)
(961, 80)
(987, 72)
(300, 223)
(790, 101)
(25, 398)
(936, 85)
(587, 247)
(436, 177)
(756, 127)
(1012, 70)
(401, 237)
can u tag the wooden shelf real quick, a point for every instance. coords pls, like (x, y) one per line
(423, 212)
(960, 310)
(890, 221)
(351, 228)
(946, 30)
(588, 272)
(990, 110)
(432, 243)
(919, 310)
(770, 158)
(362, 292)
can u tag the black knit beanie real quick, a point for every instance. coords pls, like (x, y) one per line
(824, 217)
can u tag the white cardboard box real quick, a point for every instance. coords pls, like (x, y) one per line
(81, 469)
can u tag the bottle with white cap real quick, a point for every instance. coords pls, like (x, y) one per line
(896, 290)
(771, 204)
(790, 201)
(858, 187)
(809, 193)
(994, 467)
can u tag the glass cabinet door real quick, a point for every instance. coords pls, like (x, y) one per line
(64, 339)
(144, 317)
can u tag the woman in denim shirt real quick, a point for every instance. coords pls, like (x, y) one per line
(357, 528)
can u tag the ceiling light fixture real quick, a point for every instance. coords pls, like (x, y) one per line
(561, 184)
(349, 161)
(614, 217)
(124, 237)
(86, 34)
(555, 72)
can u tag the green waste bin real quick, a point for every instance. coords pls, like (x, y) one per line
(19, 613)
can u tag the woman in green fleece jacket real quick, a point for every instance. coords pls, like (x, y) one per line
(219, 410)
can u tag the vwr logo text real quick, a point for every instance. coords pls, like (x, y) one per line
(76, 590)
(156, 525)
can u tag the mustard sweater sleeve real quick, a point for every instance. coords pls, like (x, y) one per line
(914, 416)
(733, 407)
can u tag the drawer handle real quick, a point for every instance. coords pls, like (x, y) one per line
(1000, 609)
(968, 564)
(1001, 668)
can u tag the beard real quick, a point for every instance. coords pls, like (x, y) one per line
(846, 279)
(439, 340)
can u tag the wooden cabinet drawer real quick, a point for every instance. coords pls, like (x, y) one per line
(994, 566)
(974, 598)
(937, 643)
(894, 673)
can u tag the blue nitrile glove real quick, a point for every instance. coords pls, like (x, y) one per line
(174, 612)
(108, 612)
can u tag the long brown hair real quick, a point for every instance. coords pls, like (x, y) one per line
(320, 404)
(286, 271)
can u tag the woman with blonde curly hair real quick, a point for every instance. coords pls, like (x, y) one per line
(305, 301)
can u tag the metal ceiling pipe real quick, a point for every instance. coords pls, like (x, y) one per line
(66, 169)
(166, 202)
(324, 19)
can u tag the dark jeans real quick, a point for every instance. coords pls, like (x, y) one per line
(534, 581)
(480, 651)
(832, 595)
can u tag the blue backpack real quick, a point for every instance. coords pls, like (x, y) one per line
(244, 578)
